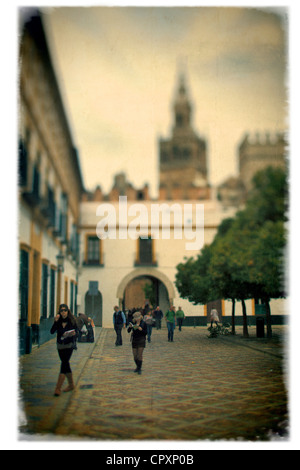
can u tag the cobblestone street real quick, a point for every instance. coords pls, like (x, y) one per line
(197, 388)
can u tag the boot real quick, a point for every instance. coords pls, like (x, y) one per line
(139, 366)
(60, 381)
(71, 385)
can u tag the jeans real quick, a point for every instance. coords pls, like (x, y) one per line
(171, 328)
(118, 330)
(179, 322)
(149, 332)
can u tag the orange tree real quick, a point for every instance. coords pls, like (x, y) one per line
(197, 282)
(249, 260)
(246, 258)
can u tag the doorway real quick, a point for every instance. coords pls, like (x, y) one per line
(93, 307)
(147, 289)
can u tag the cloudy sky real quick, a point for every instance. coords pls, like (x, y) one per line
(117, 69)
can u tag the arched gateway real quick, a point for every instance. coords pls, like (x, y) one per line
(147, 272)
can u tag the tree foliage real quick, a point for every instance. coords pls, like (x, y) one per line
(246, 258)
(150, 293)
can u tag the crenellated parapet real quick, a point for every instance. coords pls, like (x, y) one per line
(260, 150)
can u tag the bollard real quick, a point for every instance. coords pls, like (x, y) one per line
(260, 327)
(28, 347)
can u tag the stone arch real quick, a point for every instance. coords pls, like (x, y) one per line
(146, 271)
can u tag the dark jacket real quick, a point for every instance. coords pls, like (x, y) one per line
(119, 319)
(57, 328)
(137, 334)
(158, 314)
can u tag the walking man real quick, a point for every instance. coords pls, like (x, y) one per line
(158, 316)
(119, 321)
(171, 319)
(180, 316)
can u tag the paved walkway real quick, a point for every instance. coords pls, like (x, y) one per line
(196, 388)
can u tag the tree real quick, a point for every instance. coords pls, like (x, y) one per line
(228, 269)
(268, 199)
(246, 258)
(150, 293)
(192, 279)
(249, 260)
(267, 265)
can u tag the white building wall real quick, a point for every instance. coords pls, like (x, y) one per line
(279, 307)
(119, 255)
(24, 223)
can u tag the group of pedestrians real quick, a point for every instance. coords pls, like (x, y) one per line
(152, 318)
(140, 323)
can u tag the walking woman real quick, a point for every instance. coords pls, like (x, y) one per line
(149, 320)
(65, 327)
(138, 338)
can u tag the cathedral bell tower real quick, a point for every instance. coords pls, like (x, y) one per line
(183, 169)
(182, 107)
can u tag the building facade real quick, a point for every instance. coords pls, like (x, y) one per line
(50, 190)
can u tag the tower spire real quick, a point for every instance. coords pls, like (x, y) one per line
(183, 166)
(182, 106)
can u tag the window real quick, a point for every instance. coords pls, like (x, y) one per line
(33, 195)
(164, 156)
(22, 163)
(93, 251)
(72, 297)
(74, 243)
(179, 120)
(60, 218)
(44, 292)
(23, 158)
(52, 293)
(24, 284)
(186, 153)
(64, 218)
(145, 255)
(176, 152)
(51, 205)
(48, 207)
(36, 182)
(75, 300)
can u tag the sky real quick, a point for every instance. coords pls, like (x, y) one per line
(118, 67)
